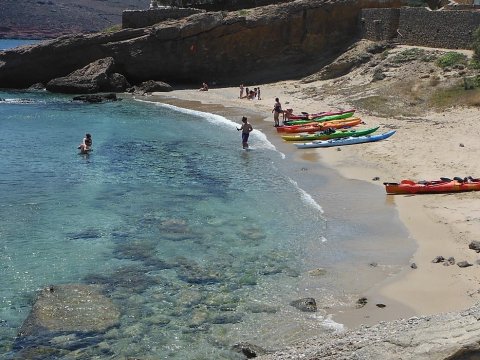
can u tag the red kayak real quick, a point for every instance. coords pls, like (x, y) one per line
(443, 185)
(308, 116)
(316, 126)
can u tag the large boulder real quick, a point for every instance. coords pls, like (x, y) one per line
(152, 86)
(70, 308)
(98, 76)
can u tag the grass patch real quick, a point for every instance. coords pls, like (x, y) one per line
(451, 58)
(455, 96)
(412, 54)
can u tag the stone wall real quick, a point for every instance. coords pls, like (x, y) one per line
(380, 24)
(451, 29)
(135, 19)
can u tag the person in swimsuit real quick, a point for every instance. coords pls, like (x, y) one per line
(277, 110)
(86, 145)
(246, 128)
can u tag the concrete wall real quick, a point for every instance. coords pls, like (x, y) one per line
(135, 19)
(451, 29)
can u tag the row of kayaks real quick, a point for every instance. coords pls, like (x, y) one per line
(328, 129)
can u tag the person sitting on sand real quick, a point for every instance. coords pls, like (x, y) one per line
(204, 87)
(286, 114)
(86, 144)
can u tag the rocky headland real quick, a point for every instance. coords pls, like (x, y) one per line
(47, 19)
(263, 44)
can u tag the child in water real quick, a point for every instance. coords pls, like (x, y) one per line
(246, 128)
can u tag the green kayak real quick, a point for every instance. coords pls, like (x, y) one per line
(326, 135)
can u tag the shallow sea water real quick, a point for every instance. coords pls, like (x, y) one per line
(199, 243)
(168, 201)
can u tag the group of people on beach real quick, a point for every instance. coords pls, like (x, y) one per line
(277, 110)
(246, 93)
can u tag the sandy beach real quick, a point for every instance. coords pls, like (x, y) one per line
(441, 224)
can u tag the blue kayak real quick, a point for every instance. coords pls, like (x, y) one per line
(345, 141)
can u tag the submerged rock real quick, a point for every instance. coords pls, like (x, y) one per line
(70, 308)
(97, 98)
(305, 304)
(249, 350)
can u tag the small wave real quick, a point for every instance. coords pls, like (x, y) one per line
(329, 323)
(219, 120)
(17, 101)
(307, 198)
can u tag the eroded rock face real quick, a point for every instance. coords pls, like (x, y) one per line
(265, 43)
(70, 308)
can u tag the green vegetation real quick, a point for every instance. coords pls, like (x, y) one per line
(243, 12)
(455, 96)
(113, 28)
(451, 58)
(411, 55)
(476, 45)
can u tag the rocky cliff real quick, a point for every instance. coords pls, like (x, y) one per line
(265, 43)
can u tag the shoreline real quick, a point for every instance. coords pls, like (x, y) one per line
(430, 288)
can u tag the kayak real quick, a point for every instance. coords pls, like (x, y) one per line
(443, 185)
(325, 135)
(314, 127)
(326, 117)
(307, 116)
(345, 141)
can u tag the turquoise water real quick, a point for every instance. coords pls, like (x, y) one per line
(200, 244)
(167, 198)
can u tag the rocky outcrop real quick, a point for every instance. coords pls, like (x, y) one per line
(265, 43)
(452, 336)
(99, 76)
(151, 86)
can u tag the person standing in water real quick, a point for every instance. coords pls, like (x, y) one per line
(86, 144)
(246, 128)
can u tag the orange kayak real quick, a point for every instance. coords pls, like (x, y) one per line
(431, 187)
(315, 126)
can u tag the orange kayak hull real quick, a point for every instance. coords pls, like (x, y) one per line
(432, 187)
